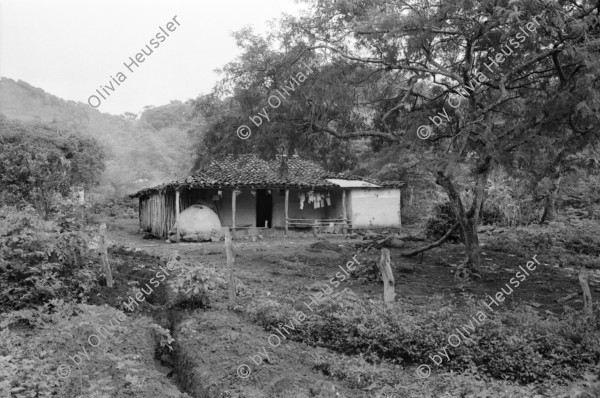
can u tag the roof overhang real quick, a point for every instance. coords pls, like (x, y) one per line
(352, 183)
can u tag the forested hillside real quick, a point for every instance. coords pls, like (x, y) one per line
(140, 150)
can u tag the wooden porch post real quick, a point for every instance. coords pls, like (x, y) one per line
(344, 230)
(287, 204)
(233, 199)
(400, 209)
(177, 211)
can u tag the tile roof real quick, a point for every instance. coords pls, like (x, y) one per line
(249, 171)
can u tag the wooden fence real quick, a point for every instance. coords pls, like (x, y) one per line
(157, 213)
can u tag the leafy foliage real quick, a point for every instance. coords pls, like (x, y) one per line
(40, 261)
(36, 164)
(441, 221)
(138, 151)
(192, 283)
(35, 342)
(569, 244)
(516, 345)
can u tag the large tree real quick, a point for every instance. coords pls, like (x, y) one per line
(502, 81)
(36, 163)
(492, 82)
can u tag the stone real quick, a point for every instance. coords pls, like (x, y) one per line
(322, 388)
(191, 238)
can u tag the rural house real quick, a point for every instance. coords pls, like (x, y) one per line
(283, 193)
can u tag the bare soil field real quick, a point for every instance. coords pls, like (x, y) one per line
(217, 347)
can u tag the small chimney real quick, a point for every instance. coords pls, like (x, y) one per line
(283, 166)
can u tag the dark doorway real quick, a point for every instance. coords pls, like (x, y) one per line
(264, 207)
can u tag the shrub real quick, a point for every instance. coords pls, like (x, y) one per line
(35, 343)
(515, 345)
(40, 261)
(441, 220)
(192, 282)
(568, 245)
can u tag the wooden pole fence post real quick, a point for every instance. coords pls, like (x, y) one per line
(388, 277)
(104, 256)
(584, 277)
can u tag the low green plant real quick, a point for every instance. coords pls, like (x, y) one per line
(40, 260)
(516, 345)
(192, 283)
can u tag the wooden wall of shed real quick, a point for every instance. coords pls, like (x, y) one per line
(157, 213)
(194, 196)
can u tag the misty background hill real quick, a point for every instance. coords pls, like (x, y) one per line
(141, 150)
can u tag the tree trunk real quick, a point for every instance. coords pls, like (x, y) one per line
(471, 243)
(550, 205)
(469, 221)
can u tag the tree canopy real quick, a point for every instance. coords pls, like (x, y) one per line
(461, 86)
(37, 162)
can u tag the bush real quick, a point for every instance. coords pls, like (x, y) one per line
(441, 220)
(36, 343)
(567, 245)
(122, 208)
(36, 164)
(40, 260)
(193, 282)
(510, 345)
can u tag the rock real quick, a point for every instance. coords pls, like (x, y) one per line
(216, 236)
(260, 237)
(322, 388)
(191, 238)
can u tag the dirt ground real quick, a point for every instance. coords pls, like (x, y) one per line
(212, 343)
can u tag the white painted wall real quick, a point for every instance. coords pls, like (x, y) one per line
(374, 208)
(308, 212)
(366, 208)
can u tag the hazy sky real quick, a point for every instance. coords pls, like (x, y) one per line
(70, 48)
